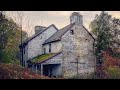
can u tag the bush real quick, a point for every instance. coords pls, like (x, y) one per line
(110, 61)
(109, 68)
(113, 72)
(11, 71)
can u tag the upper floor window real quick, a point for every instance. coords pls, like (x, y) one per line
(44, 50)
(49, 47)
(72, 32)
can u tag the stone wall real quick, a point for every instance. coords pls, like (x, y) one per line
(77, 47)
(55, 47)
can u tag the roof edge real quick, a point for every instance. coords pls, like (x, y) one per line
(88, 32)
(49, 58)
(38, 34)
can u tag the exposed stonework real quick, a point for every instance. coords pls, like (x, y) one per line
(78, 46)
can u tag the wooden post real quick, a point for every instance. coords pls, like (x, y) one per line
(41, 70)
(36, 68)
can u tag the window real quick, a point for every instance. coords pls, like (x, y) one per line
(49, 47)
(71, 32)
(44, 50)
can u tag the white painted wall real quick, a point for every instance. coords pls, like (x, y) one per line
(35, 45)
(55, 47)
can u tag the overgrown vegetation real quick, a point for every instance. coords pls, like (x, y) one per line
(10, 36)
(105, 29)
(12, 71)
(87, 76)
(101, 28)
(113, 72)
(42, 57)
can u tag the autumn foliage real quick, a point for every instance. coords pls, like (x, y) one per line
(110, 61)
(11, 71)
(110, 68)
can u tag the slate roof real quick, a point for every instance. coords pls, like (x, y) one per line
(57, 36)
(41, 31)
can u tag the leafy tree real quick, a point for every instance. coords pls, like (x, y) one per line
(10, 36)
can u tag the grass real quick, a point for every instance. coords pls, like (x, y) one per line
(42, 57)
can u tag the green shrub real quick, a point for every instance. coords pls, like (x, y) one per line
(113, 72)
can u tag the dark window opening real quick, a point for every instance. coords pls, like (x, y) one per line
(49, 47)
(44, 50)
(71, 32)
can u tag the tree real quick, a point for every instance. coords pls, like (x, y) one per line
(101, 27)
(23, 21)
(10, 40)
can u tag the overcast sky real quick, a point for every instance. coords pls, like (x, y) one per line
(58, 18)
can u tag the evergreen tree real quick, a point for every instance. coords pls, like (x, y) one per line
(101, 28)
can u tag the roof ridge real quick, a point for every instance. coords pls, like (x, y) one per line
(59, 31)
(29, 39)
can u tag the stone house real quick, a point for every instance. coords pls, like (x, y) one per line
(66, 52)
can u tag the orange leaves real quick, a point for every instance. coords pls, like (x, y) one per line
(110, 61)
(110, 68)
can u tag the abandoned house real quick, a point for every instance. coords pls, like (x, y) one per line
(64, 52)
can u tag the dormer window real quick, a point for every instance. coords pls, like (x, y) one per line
(72, 32)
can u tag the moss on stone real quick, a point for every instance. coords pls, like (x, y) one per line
(42, 57)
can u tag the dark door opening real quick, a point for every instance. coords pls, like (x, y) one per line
(52, 70)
